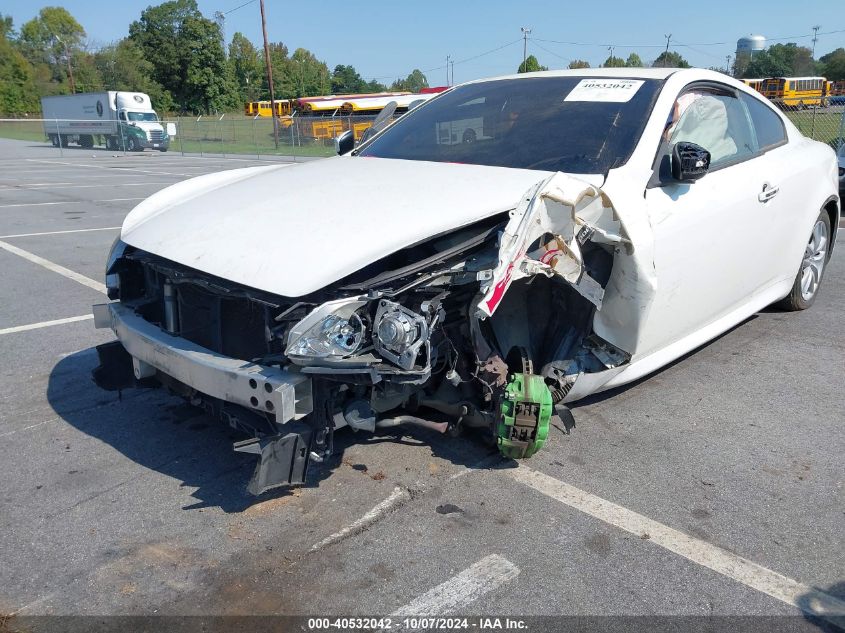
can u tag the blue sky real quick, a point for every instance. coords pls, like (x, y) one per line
(386, 40)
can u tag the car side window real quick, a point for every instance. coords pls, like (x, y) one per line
(768, 127)
(714, 120)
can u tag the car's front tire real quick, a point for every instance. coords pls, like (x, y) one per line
(809, 277)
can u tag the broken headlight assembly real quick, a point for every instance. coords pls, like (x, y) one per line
(331, 331)
(118, 248)
(399, 333)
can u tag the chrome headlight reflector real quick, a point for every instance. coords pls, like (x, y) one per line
(332, 330)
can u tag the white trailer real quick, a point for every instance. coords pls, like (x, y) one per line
(123, 120)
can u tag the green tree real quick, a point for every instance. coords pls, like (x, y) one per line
(833, 64)
(86, 75)
(346, 80)
(123, 66)
(247, 69)
(7, 26)
(670, 59)
(208, 83)
(18, 94)
(634, 61)
(414, 82)
(50, 38)
(578, 63)
(311, 76)
(781, 60)
(530, 65)
(614, 62)
(374, 86)
(186, 51)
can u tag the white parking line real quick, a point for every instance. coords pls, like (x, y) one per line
(105, 228)
(35, 184)
(465, 588)
(38, 204)
(116, 169)
(742, 570)
(36, 326)
(397, 497)
(104, 184)
(56, 268)
(27, 428)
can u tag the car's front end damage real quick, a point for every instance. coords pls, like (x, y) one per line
(487, 326)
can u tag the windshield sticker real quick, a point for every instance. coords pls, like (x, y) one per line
(607, 90)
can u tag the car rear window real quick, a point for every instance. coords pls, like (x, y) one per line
(768, 127)
(577, 125)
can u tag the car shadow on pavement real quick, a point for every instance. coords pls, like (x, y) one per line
(808, 603)
(166, 434)
(159, 432)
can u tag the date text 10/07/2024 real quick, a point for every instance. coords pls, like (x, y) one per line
(412, 623)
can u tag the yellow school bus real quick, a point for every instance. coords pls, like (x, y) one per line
(284, 107)
(756, 84)
(796, 92)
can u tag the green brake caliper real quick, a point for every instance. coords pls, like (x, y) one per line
(527, 407)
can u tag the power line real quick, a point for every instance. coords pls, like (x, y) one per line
(460, 61)
(599, 44)
(240, 6)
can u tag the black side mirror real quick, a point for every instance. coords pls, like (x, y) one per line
(344, 143)
(689, 161)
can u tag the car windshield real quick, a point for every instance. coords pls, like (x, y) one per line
(142, 116)
(573, 124)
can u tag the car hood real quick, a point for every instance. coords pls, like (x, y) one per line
(293, 229)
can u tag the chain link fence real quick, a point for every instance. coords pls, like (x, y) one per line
(825, 123)
(294, 137)
(223, 136)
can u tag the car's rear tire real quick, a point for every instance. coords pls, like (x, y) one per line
(809, 277)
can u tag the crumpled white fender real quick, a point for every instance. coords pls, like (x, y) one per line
(559, 214)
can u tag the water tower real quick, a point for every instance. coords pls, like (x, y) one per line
(746, 48)
(750, 45)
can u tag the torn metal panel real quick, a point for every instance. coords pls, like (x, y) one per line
(546, 235)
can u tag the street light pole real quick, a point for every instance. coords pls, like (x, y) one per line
(269, 77)
(525, 33)
(815, 39)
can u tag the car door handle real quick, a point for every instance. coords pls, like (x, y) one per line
(768, 192)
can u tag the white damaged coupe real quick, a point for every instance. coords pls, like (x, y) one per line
(507, 247)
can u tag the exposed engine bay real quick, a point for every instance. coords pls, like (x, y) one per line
(488, 326)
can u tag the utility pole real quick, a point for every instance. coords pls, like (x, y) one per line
(728, 64)
(815, 39)
(668, 37)
(269, 76)
(526, 31)
(610, 48)
(448, 59)
(453, 72)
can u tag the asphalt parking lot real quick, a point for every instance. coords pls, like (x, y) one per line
(715, 487)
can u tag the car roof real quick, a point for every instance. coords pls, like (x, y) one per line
(679, 76)
(688, 74)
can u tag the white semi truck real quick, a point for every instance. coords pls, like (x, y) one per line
(123, 120)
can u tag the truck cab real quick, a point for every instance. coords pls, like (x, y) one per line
(140, 126)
